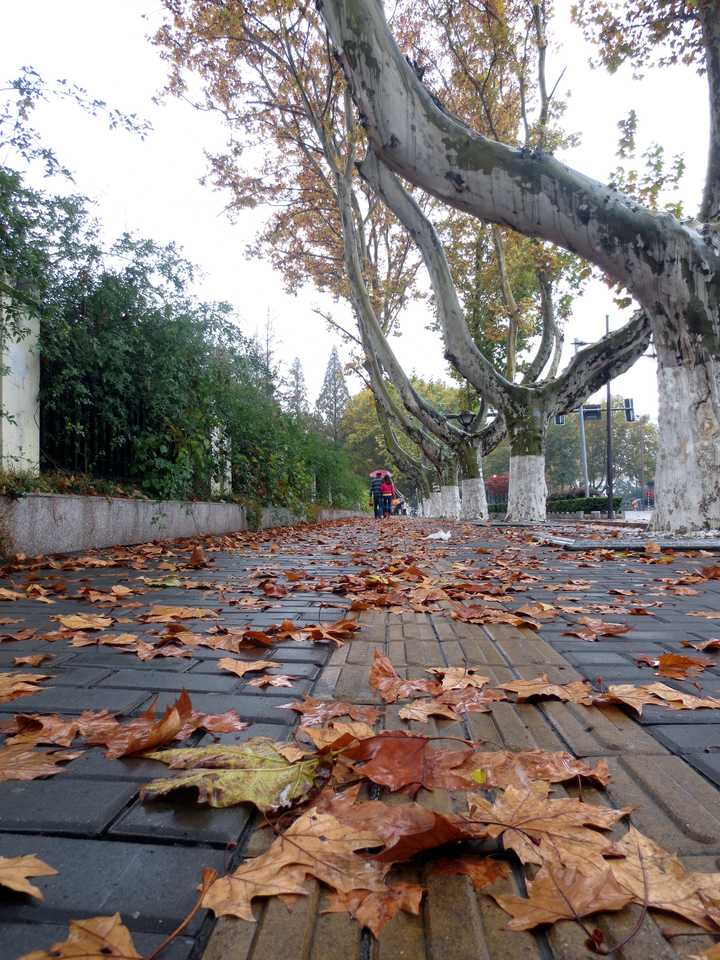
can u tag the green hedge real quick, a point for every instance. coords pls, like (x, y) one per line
(586, 504)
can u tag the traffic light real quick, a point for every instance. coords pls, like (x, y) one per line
(592, 411)
(629, 411)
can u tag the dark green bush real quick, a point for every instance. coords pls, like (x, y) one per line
(586, 504)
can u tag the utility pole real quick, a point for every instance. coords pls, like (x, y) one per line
(583, 442)
(609, 415)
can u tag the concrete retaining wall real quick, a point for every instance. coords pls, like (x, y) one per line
(57, 523)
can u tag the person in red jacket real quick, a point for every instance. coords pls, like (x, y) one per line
(387, 491)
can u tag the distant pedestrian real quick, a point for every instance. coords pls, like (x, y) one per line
(376, 480)
(387, 489)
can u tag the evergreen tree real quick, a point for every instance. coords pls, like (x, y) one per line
(333, 397)
(295, 398)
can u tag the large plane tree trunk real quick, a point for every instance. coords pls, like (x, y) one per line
(473, 505)
(527, 493)
(687, 478)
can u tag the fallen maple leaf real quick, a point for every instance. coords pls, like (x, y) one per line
(656, 877)
(163, 614)
(457, 678)
(10, 595)
(96, 938)
(559, 893)
(593, 628)
(253, 772)
(83, 621)
(33, 660)
(337, 733)
(14, 873)
(228, 722)
(705, 614)
(422, 710)
(713, 644)
(374, 910)
(503, 768)
(32, 728)
(14, 685)
(385, 679)
(579, 691)
(279, 680)
(241, 667)
(272, 589)
(405, 761)
(482, 871)
(318, 712)
(541, 830)
(675, 665)
(471, 699)
(654, 695)
(480, 614)
(146, 731)
(318, 844)
(20, 762)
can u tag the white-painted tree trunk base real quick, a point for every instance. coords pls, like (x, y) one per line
(450, 501)
(431, 506)
(474, 501)
(527, 494)
(687, 478)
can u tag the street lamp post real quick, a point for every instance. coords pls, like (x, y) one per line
(609, 415)
(583, 441)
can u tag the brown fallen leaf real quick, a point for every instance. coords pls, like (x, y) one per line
(26, 634)
(280, 680)
(705, 614)
(579, 691)
(145, 732)
(318, 844)
(385, 679)
(337, 733)
(165, 614)
(482, 871)
(374, 910)
(405, 761)
(33, 660)
(272, 589)
(32, 728)
(104, 640)
(241, 667)
(675, 665)
(14, 685)
(96, 938)
(593, 628)
(482, 614)
(318, 712)
(14, 873)
(541, 830)
(197, 558)
(560, 893)
(471, 699)
(653, 875)
(457, 678)
(20, 762)
(712, 644)
(422, 710)
(83, 621)
(504, 768)
(10, 595)
(228, 722)
(677, 700)
(654, 695)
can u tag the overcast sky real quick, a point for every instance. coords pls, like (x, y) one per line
(151, 186)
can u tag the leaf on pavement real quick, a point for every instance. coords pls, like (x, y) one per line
(713, 644)
(374, 910)
(146, 731)
(316, 844)
(84, 621)
(385, 679)
(542, 830)
(267, 680)
(97, 938)
(318, 712)
(228, 722)
(14, 685)
(482, 871)
(164, 614)
(405, 761)
(705, 614)
(104, 640)
(19, 761)
(422, 710)
(458, 678)
(504, 768)
(10, 595)
(31, 728)
(336, 632)
(241, 667)
(592, 629)
(14, 873)
(650, 873)
(337, 733)
(33, 660)
(654, 695)
(471, 699)
(676, 665)
(224, 775)
(560, 893)
(579, 691)
(481, 614)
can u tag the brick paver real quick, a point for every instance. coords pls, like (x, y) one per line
(115, 853)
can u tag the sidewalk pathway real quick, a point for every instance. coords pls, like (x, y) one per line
(114, 853)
